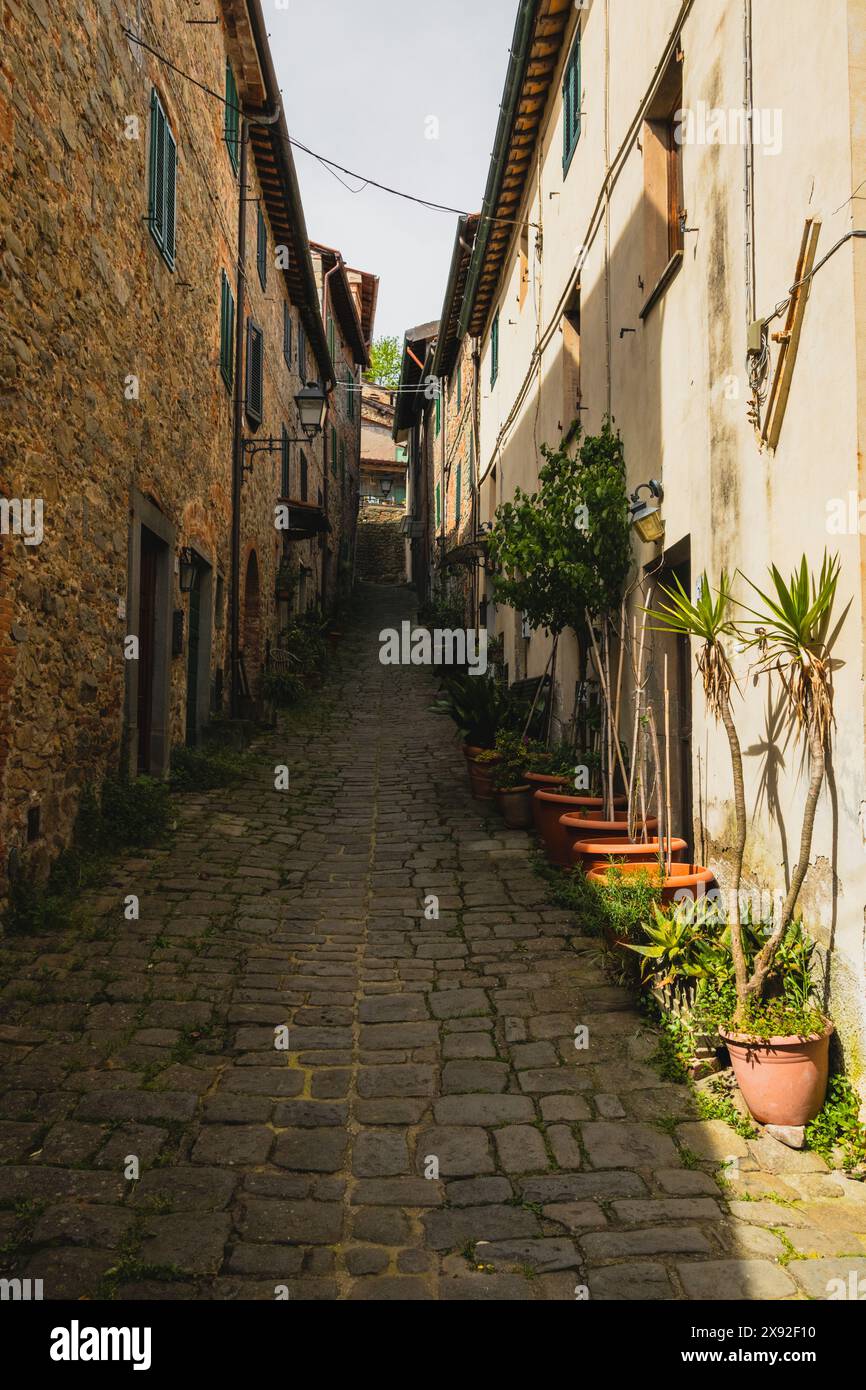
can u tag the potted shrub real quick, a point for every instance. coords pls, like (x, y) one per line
(777, 1040)
(675, 882)
(594, 853)
(513, 794)
(561, 819)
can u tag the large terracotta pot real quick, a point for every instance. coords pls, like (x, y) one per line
(547, 810)
(585, 823)
(594, 854)
(783, 1080)
(685, 880)
(515, 803)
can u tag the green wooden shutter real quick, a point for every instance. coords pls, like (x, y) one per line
(227, 330)
(233, 118)
(438, 412)
(458, 491)
(170, 194)
(284, 462)
(438, 504)
(571, 104)
(303, 476)
(255, 373)
(494, 350)
(262, 249)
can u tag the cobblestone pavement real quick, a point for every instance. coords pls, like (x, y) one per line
(409, 1040)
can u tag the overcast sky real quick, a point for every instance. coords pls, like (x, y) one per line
(359, 80)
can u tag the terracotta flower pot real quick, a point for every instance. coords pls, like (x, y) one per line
(482, 777)
(684, 879)
(594, 854)
(783, 1080)
(515, 803)
(546, 781)
(547, 810)
(587, 824)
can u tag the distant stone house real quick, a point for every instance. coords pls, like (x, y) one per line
(383, 463)
(142, 358)
(417, 412)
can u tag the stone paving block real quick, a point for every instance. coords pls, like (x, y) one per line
(464, 1077)
(460, 1151)
(412, 1079)
(635, 1282)
(457, 1003)
(541, 1255)
(450, 1230)
(292, 1223)
(735, 1280)
(191, 1242)
(662, 1240)
(185, 1189)
(621, 1144)
(520, 1149)
(380, 1154)
(483, 1110)
(318, 1150)
(233, 1145)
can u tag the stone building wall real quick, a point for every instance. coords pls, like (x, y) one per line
(112, 406)
(381, 553)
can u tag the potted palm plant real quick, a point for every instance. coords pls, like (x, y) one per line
(779, 1053)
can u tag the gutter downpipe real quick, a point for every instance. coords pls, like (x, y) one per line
(238, 423)
(237, 430)
(326, 300)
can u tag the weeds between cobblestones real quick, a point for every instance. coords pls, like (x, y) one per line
(415, 1044)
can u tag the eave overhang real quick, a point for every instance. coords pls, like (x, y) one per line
(536, 50)
(450, 337)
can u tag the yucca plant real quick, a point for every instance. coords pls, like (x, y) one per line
(708, 620)
(792, 632)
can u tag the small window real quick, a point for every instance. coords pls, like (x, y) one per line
(303, 478)
(302, 354)
(227, 331)
(262, 249)
(162, 197)
(284, 462)
(664, 213)
(255, 373)
(571, 104)
(287, 334)
(494, 349)
(233, 118)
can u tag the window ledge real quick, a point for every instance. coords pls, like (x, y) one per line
(662, 283)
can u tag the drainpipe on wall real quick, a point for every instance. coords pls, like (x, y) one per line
(474, 423)
(237, 434)
(238, 424)
(326, 300)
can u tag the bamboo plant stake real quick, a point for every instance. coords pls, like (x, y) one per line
(667, 841)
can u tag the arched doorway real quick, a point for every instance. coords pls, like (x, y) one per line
(251, 641)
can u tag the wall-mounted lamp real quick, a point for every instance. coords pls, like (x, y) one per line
(385, 486)
(312, 404)
(646, 517)
(186, 569)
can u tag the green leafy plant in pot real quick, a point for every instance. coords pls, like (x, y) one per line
(779, 1052)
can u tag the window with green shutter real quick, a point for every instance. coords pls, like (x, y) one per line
(438, 504)
(284, 461)
(571, 104)
(233, 118)
(255, 373)
(302, 354)
(438, 413)
(162, 191)
(262, 249)
(494, 349)
(332, 338)
(287, 334)
(458, 491)
(227, 331)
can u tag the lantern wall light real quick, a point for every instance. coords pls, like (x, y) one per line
(646, 516)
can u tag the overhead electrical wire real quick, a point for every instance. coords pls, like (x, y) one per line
(330, 164)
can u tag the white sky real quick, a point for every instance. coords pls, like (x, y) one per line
(359, 80)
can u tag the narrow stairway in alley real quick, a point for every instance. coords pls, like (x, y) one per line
(430, 1130)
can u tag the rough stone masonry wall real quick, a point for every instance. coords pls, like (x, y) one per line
(381, 555)
(86, 302)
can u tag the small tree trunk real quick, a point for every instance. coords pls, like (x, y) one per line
(764, 961)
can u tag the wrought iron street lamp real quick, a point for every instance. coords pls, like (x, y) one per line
(646, 516)
(186, 569)
(312, 403)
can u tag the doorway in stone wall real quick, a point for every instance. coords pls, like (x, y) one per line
(676, 566)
